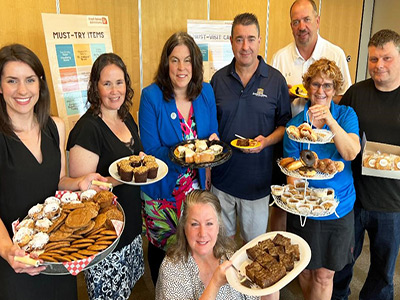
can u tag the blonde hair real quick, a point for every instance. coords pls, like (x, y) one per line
(181, 249)
(327, 69)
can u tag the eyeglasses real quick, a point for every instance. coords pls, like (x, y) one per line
(327, 87)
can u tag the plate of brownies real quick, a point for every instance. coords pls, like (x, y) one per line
(136, 170)
(245, 143)
(271, 261)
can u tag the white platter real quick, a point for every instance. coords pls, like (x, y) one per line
(240, 260)
(324, 136)
(162, 172)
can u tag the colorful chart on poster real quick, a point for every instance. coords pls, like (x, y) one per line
(73, 44)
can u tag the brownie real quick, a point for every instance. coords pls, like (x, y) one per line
(280, 240)
(252, 269)
(253, 252)
(276, 272)
(266, 260)
(287, 260)
(263, 279)
(266, 244)
(294, 250)
(243, 142)
(275, 251)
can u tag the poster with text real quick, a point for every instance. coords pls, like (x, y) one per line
(213, 39)
(73, 44)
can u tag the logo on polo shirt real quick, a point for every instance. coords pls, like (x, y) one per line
(260, 93)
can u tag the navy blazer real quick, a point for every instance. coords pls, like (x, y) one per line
(160, 129)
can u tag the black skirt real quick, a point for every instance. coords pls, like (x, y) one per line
(331, 241)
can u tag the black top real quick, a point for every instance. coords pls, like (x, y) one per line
(25, 182)
(91, 133)
(379, 118)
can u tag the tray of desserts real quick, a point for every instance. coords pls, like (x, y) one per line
(304, 133)
(71, 232)
(137, 170)
(271, 261)
(200, 153)
(299, 199)
(310, 166)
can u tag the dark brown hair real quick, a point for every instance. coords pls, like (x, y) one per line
(181, 249)
(17, 52)
(162, 78)
(93, 96)
(245, 19)
(324, 68)
(383, 37)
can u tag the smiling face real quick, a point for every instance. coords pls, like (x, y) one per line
(245, 43)
(180, 67)
(201, 229)
(112, 87)
(384, 66)
(304, 23)
(321, 90)
(20, 88)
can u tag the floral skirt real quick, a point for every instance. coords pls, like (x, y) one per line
(114, 277)
(161, 216)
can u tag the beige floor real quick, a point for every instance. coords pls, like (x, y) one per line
(144, 289)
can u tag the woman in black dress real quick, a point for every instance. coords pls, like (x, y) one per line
(105, 133)
(32, 168)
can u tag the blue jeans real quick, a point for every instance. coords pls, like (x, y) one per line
(383, 230)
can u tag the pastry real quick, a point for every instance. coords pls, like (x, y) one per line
(396, 163)
(200, 145)
(103, 198)
(36, 212)
(383, 163)
(69, 197)
(307, 172)
(294, 165)
(38, 241)
(43, 225)
(29, 223)
(307, 132)
(339, 166)
(216, 149)
(204, 157)
(189, 155)
(307, 158)
(285, 161)
(23, 236)
(88, 194)
(179, 151)
(293, 131)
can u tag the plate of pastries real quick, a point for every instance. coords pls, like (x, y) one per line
(310, 166)
(200, 153)
(302, 200)
(304, 133)
(245, 143)
(70, 228)
(381, 161)
(270, 261)
(138, 170)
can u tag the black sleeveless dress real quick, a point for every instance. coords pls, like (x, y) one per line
(23, 183)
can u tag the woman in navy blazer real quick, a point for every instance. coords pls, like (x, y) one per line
(176, 107)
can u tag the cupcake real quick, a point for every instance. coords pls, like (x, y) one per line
(148, 158)
(126, 171)
(285, 196)
(304, 209)
(36, 212)
(140, 174)
(153, 170)
(277, 190)
(23, 236)
(29, 223)
(43, 225)
(135, 160)
(291, 202)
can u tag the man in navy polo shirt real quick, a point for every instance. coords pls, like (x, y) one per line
(252, 101)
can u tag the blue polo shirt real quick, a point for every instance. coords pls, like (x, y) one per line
(342, 182)
(257, 109)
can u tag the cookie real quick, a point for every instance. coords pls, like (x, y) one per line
(69, 249)
(87, 252)
(86, 229)
(56, 245)
(82, 245)
(106, 242)
(114, 214)
(47, 258)
(78, 255)
(108, 232)
(72, 206)
(99, 221)
(78, 218)
(55, 251)
(57, 223)
(107, 237)
(65, 228)
(82, 241)
(59, 236)
(97, 247)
